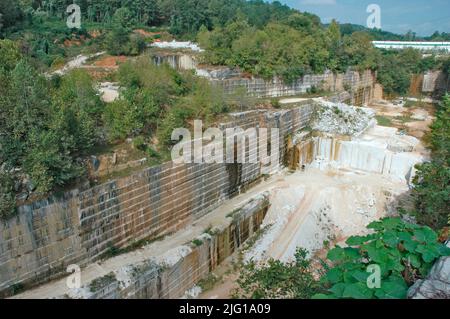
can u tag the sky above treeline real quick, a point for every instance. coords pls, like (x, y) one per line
(399, 16)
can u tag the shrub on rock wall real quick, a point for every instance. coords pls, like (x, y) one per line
(278, 280)
(7, 196)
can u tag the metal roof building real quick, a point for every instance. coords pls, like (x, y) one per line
(424, 46)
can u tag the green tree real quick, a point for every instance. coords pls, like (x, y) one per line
(10, 13)
(7, 196)
(48, 163)
(432, 182)
(23, 106)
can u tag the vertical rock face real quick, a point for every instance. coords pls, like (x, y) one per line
(364, 156)
(437, 284)
(429, 81)
(168, 274)
(360, 85)
(436, 82)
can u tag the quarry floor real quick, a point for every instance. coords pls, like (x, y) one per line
(414, 120)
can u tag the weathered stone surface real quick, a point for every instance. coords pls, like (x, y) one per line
(359, 85)
(342, 119)
(437, 284)
(181, 267)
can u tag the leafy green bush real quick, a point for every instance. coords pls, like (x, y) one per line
(139, 143)
(120, 42)
(275, 103)
(432, 181)
(404, 252)
(152, 153)
(7, 196)
(102, 282)
(278, 280)
(176, 118)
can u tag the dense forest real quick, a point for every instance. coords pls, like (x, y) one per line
(265, 39)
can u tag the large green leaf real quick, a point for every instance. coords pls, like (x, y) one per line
(392, 223)
(429, 252)
(414, 260)
(360, 275)
(444, 250)
(376, 254)
(405, 236)
(409, 244)
(377, 225)
(393, 288)
(356, 240)
(425, 235)
(334, 275)
(358, 291)
(359, 240)
(391, 238)
(352, 253)
(336, 254)
(338, 289)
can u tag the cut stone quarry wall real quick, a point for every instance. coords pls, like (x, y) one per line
(360, 86)
(80, 226)
(378, 151)
(176, 61)
(162, 280)
(436, 82)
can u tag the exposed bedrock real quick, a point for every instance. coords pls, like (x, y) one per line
(436, 285)
(166, 268)
(352, 87)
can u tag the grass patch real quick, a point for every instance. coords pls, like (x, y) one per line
(404, 119)
(384, 121)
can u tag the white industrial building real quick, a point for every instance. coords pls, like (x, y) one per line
(424, 46)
